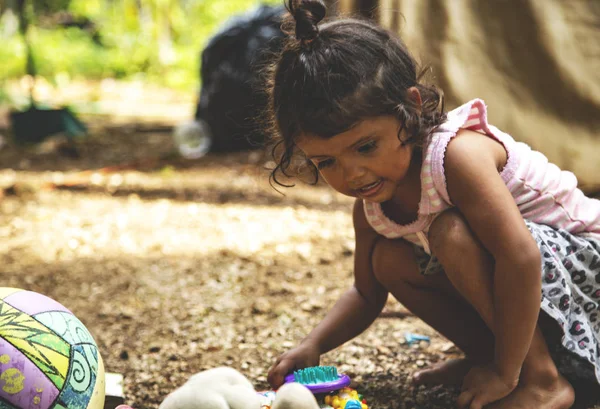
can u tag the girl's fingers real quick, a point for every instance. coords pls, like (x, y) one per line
(271, 378)
(464, 400)
(477, 402)
(274, 378)
(279, 371)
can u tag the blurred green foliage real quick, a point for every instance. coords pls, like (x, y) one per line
(156, 40)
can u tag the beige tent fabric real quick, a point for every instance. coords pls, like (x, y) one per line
(536, 63)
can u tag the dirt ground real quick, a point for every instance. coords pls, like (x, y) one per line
(178, 266)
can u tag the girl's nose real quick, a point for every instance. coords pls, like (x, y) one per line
(353, 173)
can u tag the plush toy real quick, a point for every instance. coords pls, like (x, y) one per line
(226, 388)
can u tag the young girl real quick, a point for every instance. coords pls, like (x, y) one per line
(477, 234)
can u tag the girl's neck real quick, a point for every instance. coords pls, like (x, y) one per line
(408, 193)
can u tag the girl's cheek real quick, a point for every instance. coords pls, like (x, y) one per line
(327, 180)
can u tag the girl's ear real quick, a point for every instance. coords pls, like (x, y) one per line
(415, 96)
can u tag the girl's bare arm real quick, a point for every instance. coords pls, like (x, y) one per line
(352, 314)
(358, 307)
(474, 184)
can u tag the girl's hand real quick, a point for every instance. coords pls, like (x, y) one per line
(304, 355)
(484, 385)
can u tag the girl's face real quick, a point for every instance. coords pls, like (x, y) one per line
(369, 161)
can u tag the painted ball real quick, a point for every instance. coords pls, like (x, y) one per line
(48, 358)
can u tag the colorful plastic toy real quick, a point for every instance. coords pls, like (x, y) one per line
(330, 388)
(346, 398)
(319, 379)
(48, 358)
(414, 338)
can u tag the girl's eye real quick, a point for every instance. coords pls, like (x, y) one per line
(367, 147)
(324, 163)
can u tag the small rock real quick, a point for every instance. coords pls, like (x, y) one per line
(448, 348)
(420, 363)
(261, 306)
(384, 350)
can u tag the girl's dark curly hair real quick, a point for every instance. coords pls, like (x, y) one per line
(329, 77)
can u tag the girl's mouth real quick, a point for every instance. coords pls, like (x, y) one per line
(370, 189)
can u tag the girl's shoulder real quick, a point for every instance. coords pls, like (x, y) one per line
(470, 146)
(470, 122)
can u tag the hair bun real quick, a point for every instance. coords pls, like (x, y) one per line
(307, 14)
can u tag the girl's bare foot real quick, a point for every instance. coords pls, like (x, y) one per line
(559, 395)
(450, 372)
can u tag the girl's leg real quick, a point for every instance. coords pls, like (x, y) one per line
(435, 301)
(469, 268)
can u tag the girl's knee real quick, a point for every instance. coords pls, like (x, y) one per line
(393, 260)
(448, 233)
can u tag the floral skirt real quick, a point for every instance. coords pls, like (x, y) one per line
(570, 297)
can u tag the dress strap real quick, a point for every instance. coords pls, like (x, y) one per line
(424, 241)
